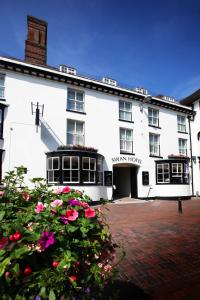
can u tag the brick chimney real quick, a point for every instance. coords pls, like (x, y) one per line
(36, 42)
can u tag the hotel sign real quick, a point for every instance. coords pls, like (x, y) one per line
(126, 159)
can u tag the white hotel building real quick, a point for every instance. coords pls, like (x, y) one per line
(93, 135)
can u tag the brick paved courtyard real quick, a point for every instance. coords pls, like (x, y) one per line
(162, 247)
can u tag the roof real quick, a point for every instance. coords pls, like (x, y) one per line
(191, 98)
(50, 73)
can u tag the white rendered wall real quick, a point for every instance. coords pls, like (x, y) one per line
(25, 145)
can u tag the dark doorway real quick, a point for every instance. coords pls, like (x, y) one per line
(124, 181)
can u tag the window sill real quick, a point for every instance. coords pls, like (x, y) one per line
(127, 153)
(184, 132)
(171, 183)
(76, 111)
(126, 121)
(154, 126)
(157, 156)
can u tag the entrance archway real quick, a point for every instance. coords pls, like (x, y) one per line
(125, 180)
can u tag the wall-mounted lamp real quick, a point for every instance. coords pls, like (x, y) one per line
(38, 111)
(144, 100)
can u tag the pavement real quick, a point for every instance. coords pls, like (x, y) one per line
(162, 244)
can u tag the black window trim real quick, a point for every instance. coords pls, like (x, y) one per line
(170, 162)
(80, 154)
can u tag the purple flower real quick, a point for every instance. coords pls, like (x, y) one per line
(37, 297)
(47, 239)
(87, 290)
(74, 202)
(64, 219)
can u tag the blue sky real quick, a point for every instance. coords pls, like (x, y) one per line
(148, 43)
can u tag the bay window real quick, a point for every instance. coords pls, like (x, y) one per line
(172, 172)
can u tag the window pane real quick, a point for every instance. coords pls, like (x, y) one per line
(55, 163)
(75, 162)
(92, 164)
(71, 104)
(92, 176)
(121, 105)
(50, 176)
(85, 163)
(70, 139)
(79, 127)
(79, 96)
(79, 106)
(121, 115)
(66, 176)
(70, 126)
(66, 162)
(71, 95)
(56, 176)
(122, 134)
(85, 175)
(75, 176)
(129, 135)
(50, 165)
(127, 116)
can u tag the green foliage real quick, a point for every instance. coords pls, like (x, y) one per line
(53, 245)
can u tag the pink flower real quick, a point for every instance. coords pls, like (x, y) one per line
(26, 196)
(3, 242)
(89, 213)
(71, 214)
(40, 207)
(84, 204)
(58, 191)
(56, 203)
(1, 193)
(66, 190)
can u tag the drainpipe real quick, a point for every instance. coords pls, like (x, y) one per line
(192, 180)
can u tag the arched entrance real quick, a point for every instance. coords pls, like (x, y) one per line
(125, 180)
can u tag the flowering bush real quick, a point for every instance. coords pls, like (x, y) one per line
(53, 244)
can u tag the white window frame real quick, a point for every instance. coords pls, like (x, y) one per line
(176, 172)
(125, 141)
(153, 117)
(182, 146)
(163, 173)
(181, 123)
(125, 111)
(51, 169)
(2, 87)
(155, 144)
(75, 134)
(75, 101)
(70, 169)
(89, 169)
